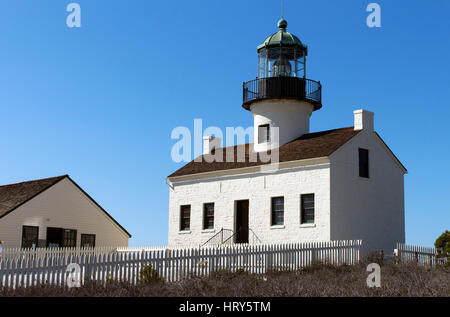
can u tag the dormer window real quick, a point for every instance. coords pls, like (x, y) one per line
(264, 133)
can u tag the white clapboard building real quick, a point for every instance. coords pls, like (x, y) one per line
(55, 212)
(338, 184)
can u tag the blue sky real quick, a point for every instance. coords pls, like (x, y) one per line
(99, 102)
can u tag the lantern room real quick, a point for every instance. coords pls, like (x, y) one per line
(282, 72)
(282, 55)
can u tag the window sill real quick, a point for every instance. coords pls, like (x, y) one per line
(277, 227)
(208, 230)
(184, 232)
(308, 225)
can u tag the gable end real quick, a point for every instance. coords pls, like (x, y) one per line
(397, 161)
(45, 185)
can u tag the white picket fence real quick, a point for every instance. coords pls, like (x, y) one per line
(421, 255)
(14, 253)
(171, 264)
(18, 253)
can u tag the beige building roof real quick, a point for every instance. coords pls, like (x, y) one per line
(13, 196)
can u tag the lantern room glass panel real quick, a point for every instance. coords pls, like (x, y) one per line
(281, 62)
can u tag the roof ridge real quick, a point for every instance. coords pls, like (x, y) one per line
(330, 130)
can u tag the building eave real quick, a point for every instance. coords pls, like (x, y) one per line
(263, 169)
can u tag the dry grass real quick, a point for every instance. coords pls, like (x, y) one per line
(318, 280)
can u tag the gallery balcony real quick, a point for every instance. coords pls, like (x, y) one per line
(282, 87)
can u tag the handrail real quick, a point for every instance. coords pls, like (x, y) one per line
(282, 87)
(237, 232)
(220, 233)
(232, 236)
(254, 235)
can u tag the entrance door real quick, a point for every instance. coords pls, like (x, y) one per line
(55, 237)
(241, 221)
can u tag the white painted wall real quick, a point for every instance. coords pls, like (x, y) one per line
(290, 116)
(63, 206)
(258, 188)
(369, 209)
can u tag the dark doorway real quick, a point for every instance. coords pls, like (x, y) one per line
(55, 237)
(241, 221)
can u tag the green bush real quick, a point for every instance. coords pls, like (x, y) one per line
(149, 275)
(442, 245)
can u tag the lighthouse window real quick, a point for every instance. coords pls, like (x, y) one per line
(208, 216)
(307, 208)
(185, 218)
(277, 211)
(364, 163)
(264, 133)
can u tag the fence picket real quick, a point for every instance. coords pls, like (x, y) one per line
(31, 267)
(418, 254)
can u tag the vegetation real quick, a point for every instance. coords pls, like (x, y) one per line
(316, 280)
(442, 245)
(149, 275)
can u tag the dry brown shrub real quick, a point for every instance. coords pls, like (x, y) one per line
(316, 280)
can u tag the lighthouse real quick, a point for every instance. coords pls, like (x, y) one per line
(281, 99)
(338, 184)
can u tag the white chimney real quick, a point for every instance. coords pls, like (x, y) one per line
(210, 143)
(363, 120)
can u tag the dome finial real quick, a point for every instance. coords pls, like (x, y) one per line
(282, 24)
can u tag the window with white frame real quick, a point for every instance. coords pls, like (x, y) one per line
(307, 208)
(208, 216)
(185, 218)
(264, 133)
(277, 211)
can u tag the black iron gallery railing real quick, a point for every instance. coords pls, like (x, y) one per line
(282, 87)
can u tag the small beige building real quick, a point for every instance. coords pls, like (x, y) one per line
(55, 212)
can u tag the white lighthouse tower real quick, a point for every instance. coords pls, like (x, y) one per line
(281, 99)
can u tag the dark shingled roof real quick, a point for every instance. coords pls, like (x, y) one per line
(15, 195)
(311, 145)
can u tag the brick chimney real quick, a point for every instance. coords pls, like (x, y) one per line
(210, 143)
(363, 120)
